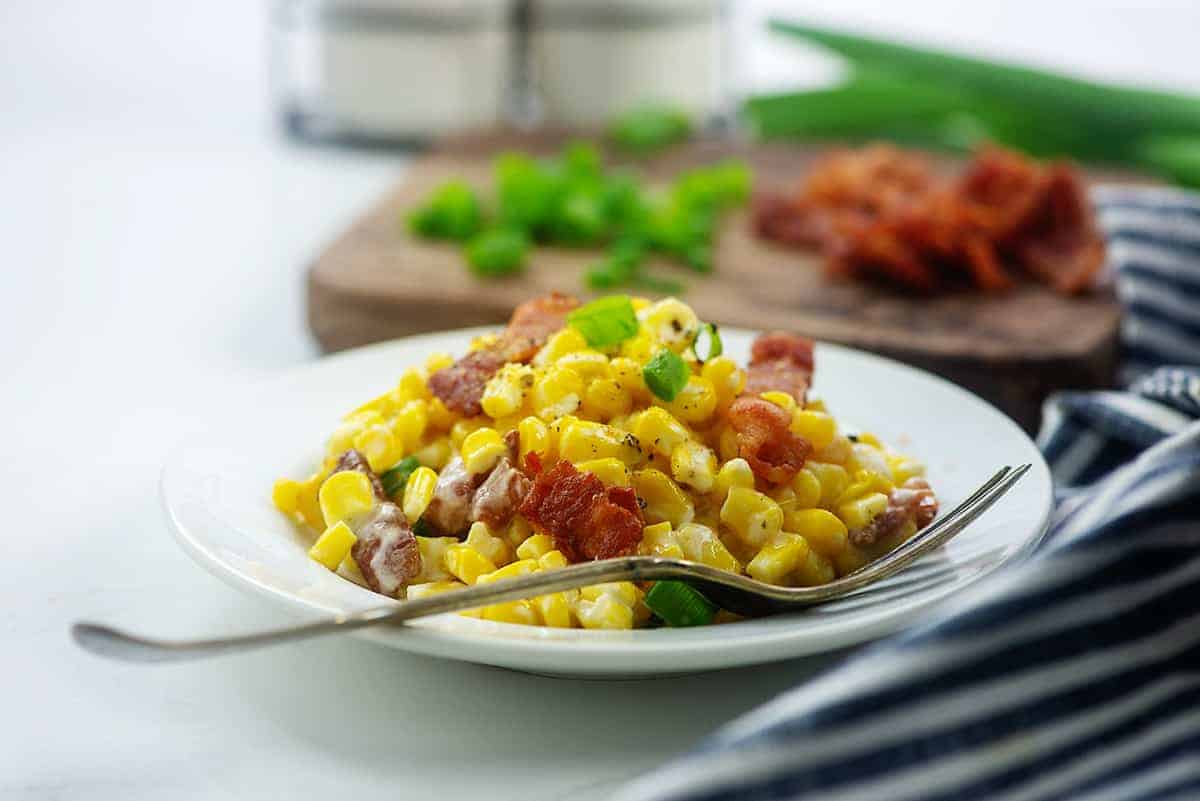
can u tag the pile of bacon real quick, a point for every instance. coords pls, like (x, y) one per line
(586, 519)
(881, 212)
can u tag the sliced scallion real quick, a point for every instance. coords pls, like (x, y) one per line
(394, 478)
(680, 604)
(605, 321)
(666, 374)
(714, 346)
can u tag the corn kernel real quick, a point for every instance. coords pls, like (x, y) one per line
(521, 567)
(429, 588)
(833, 478)
(816, 427)
(904, 468)
(518, 531)
(672, 322)
(379, 446)
(418, 492)
(482, 449)
(286, 496)
(628, 375)
(345, 496)
(726, 377)
(751, 515)
(568, 340)
(483, 540)
(814, 569)
(433, 557)
(664, 499)
(506, 391)
(583, 441)
(861, 511)
(349, 570)
(611, 471)
(639, 348)
(605, 399)
(622, 591)
(411, 386)
(782, 555)
(410, 423)
(521, 612)
(534, 547)
(696, 402)
(701, 544)
(695, 465)
(807, 489)
(534, 437)
(658, 431)
(734, 473)
(823, 530)
(658, 539)
(556, 393)
(384, 405)
(728, 446)
(604, 613)
(586, 363)
(870, 459)
(552, 560)
(554, 610)
(440, 417)
(436, 454)
(308, 502)
(333, 546)
(781, 399)
(438, 361)
(467, 564)
(463, 428)
(836, 452)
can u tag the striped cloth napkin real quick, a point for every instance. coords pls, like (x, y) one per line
(1075, 675)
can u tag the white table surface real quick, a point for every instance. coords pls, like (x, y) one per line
(154, 232)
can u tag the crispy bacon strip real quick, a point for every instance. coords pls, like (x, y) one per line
(460, 385)
(912, 502)
(774, 452)
(780, 362)
(586, 519)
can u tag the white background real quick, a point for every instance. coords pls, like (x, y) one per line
(153, 236)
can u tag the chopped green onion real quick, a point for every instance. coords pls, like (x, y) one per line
(500, 251)
(680, 604)
(715, 347)
(394, 478)
(666, 374)
(605, 321)
(452, 212)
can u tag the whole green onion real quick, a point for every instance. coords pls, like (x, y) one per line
(666, 374)
(680, 604)
(395, 477)
(605, 321)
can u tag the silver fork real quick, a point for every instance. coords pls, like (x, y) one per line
(731, 591)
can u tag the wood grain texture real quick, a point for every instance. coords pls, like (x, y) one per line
(375, 282)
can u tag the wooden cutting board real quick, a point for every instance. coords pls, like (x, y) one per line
(376, 282)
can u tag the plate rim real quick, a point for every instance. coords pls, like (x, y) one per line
(606, 650)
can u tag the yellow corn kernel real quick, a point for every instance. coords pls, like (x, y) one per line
(552, 560)
(734, 473)
(628, 375)
(463, 428)
(428, 588)
(587, 363)
(556, 393)
(836, 452)
(870, 459)
(349, 570)
(521, 567)
(436, 454)
(823, 530)
(286, 496)
(506, 424)
(568, 340)
(482, 449)
(726, 377)
(672, 322)
(658, 431)
(344, 496)
(867, 438)
(701, 544)
(433, 557)
(639, 348)
(781, 556)
(505, 392)
(781, 399)
(659, 540)
(583, 441)
(554, 610)
(751, 515)
(623, 591)
(410, 423)
(379, 446)
(814, 569)
(333, 546)
(728, 446)
(518, 531)
(834, 481)
(664, 499)
(384, 405)
(534, 437)
(861, 511)
(695, 465)
(696, 402)
(605, 399)
(308, 502)
(418, 492)
(481, 538)
(440, 417)
(816, 427)
(438, 361)
(850, 559)
(467, 564)
(610, 470)
(534, 547)
(483, 342)
(904, 468)
(411, 387)
(807, 489)
(606, 612)
(521, 612)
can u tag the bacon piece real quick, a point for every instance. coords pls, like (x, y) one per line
(780, 362)
(353, 461)
(912, 502)
(386, 551)
(449, 509)
(500, 495)
(774, 452)
(586, 519)
(460, 386)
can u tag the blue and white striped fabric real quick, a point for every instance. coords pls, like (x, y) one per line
(1075, 675)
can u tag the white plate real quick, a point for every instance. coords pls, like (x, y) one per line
(216, 490)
